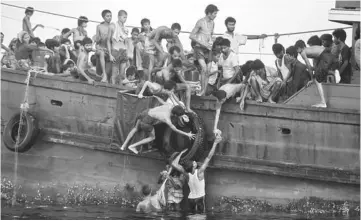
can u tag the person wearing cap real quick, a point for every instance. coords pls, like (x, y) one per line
(29, 11)
(265, 82)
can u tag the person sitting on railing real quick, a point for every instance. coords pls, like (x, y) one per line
(153, 116)
(229, 62)
(265, 82)
(29, 11)
(67, 51)
(325, 61)
(54, 63)
(62, 35)
(80, 32)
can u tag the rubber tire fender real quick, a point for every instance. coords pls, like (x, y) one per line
(32, 130)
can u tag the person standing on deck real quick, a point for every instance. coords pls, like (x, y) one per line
(80, 32)
(235, 38)
(339, 37)
(229, 62)
(283, 68)
(116, 41)
(325, 61)
(196, 179)
(202, 36)
(102, 48)
(29, 11)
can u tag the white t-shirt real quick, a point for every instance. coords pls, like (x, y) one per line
(228, 65)
(213, 78)
(236, 40)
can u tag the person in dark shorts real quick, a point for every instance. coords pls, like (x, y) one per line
(339, 37)
(153, 116)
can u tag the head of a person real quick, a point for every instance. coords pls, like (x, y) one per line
(34, 41)
(211, 11)
(216, 54)
(177, 65)
(174, 52)
(339, 35)
(357, 34)
(145, 23)
(169, 85)
(258, 67)
(225, 45)
(135, 33)
(247, 68)
(130, 72)
(52, 44)
(190, 58)
(176, 28)
(24, 37)
(300, 45)
(326, 40)
(314, 40)
(178, 111)
(220, 95)
(217, 43)
(64, 31)
(122, 16)
(230, 23)
(69, 66)
(83, 21)
(93, 60)
(77, 44)
(107, 15)
(190, 166)
(292, 52)
(41, 45)
(278, 50)
(29, 11)
(87, 43)
(13, 42)
(65, 41)
(2, 37)
(146, 190)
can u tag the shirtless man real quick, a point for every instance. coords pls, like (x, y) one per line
(150, 117)
(116, 41)
(102, 49)
(163, 32)
(222, 94)
(196, 178)
(174, 73)
(80, 32)
(29, 11)
(325, 61)
(82, 63)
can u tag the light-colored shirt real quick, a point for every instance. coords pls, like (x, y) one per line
(228, 65)
(213, 78)
(231, 89)
(236, 40)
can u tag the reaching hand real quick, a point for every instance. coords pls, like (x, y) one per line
(183, 151)
(217, 132)
(309, 83)
(140, 96)
(91, 81)
(218, 139)
(191, 135)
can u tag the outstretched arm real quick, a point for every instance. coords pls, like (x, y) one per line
(145, 85)
(210, 155)
(190, 134)
(218, 112)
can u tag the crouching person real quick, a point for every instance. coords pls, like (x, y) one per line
(265, 82)
(85, 71)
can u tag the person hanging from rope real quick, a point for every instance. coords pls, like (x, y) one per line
(196, 177)
(102, 48)
(202, 36)
(29, 11)
(171, 35)
(325, 61)
(116, 42)
(153, 116)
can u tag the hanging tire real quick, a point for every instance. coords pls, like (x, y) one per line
(174, 142)
(28, 132)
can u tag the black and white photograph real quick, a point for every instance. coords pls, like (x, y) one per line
(180, 109)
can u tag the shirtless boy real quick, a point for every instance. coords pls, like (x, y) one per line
(29, 11)
(163, 32)
(202, 36)
(153, 116)
(102, 49)
(116, 42)
(80, 32)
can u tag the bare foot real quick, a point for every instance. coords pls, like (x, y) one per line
(133, 149)
(259, 100)
(238, 99)
(104, 78)
(321, 105)
(123, 147)
(202, 93)
(241, 105)
(271, 101)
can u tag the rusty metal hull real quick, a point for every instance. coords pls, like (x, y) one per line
(276, 152)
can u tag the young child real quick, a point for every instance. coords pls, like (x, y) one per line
(29, 11)
(130, 80)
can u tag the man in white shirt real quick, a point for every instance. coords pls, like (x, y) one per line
(235, 38)
(229, 62)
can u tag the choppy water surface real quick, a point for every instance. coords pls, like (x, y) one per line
(116, 212)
